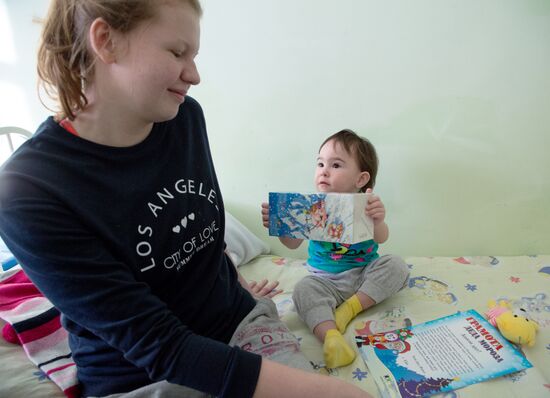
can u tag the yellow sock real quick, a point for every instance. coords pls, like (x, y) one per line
(346, 312)
(336, 350)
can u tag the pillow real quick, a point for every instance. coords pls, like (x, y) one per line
(242, 245)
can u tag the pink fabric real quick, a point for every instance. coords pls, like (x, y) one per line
(45, 341)
(10, 335)
(56, 341)
(494, 313)
(44, 330)
(15, 290)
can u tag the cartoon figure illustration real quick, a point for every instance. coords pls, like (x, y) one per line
(399, 347)
(335, 230)
(536, 306)
(391, 320)
(318, 214)
(433, 288)
(383, 338)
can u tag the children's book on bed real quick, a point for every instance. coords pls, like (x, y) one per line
(327, 217)
(440, 355)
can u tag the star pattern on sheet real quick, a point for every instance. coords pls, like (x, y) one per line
(515, 279)
(359, 374)
(41, 375)
(470, 287)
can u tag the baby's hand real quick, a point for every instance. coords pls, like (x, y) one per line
(265, 214)
(375, 208)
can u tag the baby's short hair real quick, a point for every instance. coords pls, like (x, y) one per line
(361, 149)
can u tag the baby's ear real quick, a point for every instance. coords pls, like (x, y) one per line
(362, 180)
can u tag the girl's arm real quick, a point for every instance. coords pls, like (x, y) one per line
(291, 243)
(299, 383)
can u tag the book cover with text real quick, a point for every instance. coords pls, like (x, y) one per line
(437, 356)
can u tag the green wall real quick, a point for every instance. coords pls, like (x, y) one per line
(454, 94)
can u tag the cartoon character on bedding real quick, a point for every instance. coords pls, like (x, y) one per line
(433, 289)
(345, 280)
(536, 306)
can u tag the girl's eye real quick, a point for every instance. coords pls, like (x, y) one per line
(177, 54)
(336, 165)
(319, 164)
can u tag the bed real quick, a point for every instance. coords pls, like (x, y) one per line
(438, 286)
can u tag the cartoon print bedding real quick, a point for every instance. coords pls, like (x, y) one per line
(438, 286)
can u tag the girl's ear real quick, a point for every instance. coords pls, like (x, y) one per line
(362, 180)
(101, 40)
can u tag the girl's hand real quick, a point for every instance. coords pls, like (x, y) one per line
(375, 208)
(264, 288)
(265, 214)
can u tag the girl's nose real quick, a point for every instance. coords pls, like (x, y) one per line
(190, 73)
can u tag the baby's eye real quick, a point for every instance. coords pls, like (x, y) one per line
(320, 164)
(177, 53)
(336, 165)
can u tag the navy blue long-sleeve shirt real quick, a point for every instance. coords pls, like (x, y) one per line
(128, 244)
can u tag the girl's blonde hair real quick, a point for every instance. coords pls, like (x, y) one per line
(65, 63)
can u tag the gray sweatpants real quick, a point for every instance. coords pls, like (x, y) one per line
(316, 297)
(261, 332)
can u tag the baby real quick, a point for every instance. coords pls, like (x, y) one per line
(345, 279)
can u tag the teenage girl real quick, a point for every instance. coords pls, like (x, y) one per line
(114, 211)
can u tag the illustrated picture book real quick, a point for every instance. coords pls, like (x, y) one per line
(327, 217)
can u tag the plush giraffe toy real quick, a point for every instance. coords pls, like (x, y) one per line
(515, 327)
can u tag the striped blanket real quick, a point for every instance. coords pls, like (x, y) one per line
(34, 323)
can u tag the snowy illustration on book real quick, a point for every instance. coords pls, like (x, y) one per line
(328, 217)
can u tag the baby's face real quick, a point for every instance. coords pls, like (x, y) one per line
(337, 170)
